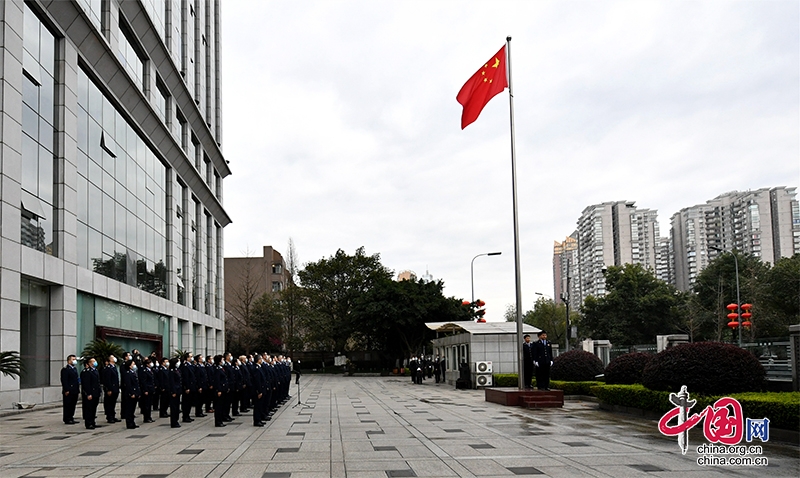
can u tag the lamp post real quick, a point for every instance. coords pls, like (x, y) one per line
(738, 301)
(472, 270)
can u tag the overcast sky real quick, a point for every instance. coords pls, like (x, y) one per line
(342, 129)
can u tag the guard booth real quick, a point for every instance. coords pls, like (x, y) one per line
(489, 348)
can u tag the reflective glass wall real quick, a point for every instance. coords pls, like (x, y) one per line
(121, 196)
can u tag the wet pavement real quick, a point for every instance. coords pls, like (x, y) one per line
(373, 427)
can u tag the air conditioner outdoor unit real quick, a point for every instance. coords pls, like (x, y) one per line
(484, 380)
(483, 367)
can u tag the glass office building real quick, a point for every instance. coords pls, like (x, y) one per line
(111, 182)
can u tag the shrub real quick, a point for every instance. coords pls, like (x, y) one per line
(635, 396)
(505, 380)
(576, 366)
(710, 368)
(627, 369)
(569, 388)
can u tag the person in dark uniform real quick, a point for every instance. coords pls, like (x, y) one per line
(189, 388)
(437, 369)
(527, 361)
(162, 382)
(247, 385)
(228, 395)
(209, 393)
(147, 384)
(258, 391)
(201, 378)
(90, 393)
(221, 388)
(542, 359)
(174, 391)
(69, 389)
(236, 389)
(131, 392)
(109, 378)
(156, 398)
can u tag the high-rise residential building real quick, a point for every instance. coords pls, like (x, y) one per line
(565, 272)
(764, 222)
(407, 275)
(112, 171)
(610, 234)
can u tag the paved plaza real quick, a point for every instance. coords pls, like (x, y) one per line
(370, 427)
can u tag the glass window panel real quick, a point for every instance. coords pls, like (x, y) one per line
(47, 50)
(46, 97)
(121, 136)
(95, 103)
(108, 181)
(120, 218)
(109, 246)
(131, 230)
(30, 164)
(108, 117)
(83, 89)
(30, 122)
(95, 133)
(95, 174)
(45, 134)
(83, 199)
(46, 175)
(30, 32)
(141, 241)
(95, 209)
(108, 215)
(30, 93)
(83, 130)
(83, 245)
(34, 334)
(95, 248)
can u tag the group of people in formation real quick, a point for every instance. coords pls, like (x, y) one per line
(420, 367)
(176, 388)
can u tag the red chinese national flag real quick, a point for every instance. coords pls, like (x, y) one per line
(484, 85)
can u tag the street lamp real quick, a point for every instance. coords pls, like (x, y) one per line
(472, 270)
(738, 301)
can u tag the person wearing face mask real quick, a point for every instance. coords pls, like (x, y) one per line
(201, 379)
(131, 392)
(69, 389)
(147, 384)
(109, 378)
(236, 390)
(90, 393)
(221, 389)
(174, 391)
(163, 389)
(189, 388)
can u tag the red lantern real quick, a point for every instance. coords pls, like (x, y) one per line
(733, 325)
(733, 316)
(466, 303)
(747, 315)
(747, 324)
(747, 306)
(731, 307)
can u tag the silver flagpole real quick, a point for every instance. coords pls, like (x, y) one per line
(518, 280)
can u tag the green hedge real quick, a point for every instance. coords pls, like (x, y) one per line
(780, 407)
(569, 388)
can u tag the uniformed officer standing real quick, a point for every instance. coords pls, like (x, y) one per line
(69, 389)
(238, 386)
(258, 390)
(148, 386)
(109, 378)
(221, 387)
(201, 379)
(174, 390)
(90, 394)
(131, 392)
(247, 385)
(189, 387)
(162, 382)
(209, 393)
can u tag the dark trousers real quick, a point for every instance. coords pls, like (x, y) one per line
(110, 405)
(219, 412)
(174, 409)
(146, 406)
(209, 399)
(235, 398)
(69, 403)
(258, 409)
(155, 399)
(163, 404)
(199, 400)
(543, 377)
(89, 410)
(527, 374)
(186, 405)
(129, 410)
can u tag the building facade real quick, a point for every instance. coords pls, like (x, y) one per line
(248, 278)
(763, 222)
(609, 234)
(112, 171)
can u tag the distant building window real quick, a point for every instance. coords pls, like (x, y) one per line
(129, 57)
(276, 286)
(277, 268)
(34, 341)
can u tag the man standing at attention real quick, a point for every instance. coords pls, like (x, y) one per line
(69, 389)
(542, 359)
(527, 364)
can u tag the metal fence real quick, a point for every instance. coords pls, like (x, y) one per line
(644, 348)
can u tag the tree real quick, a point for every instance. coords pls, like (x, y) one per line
(11, 364)
(267, 321)
(293, 303)
(552, 318)
(715, 287)
(392, 315)
(636, 308)
(780, 298)
(333, 286)
(240, 334)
